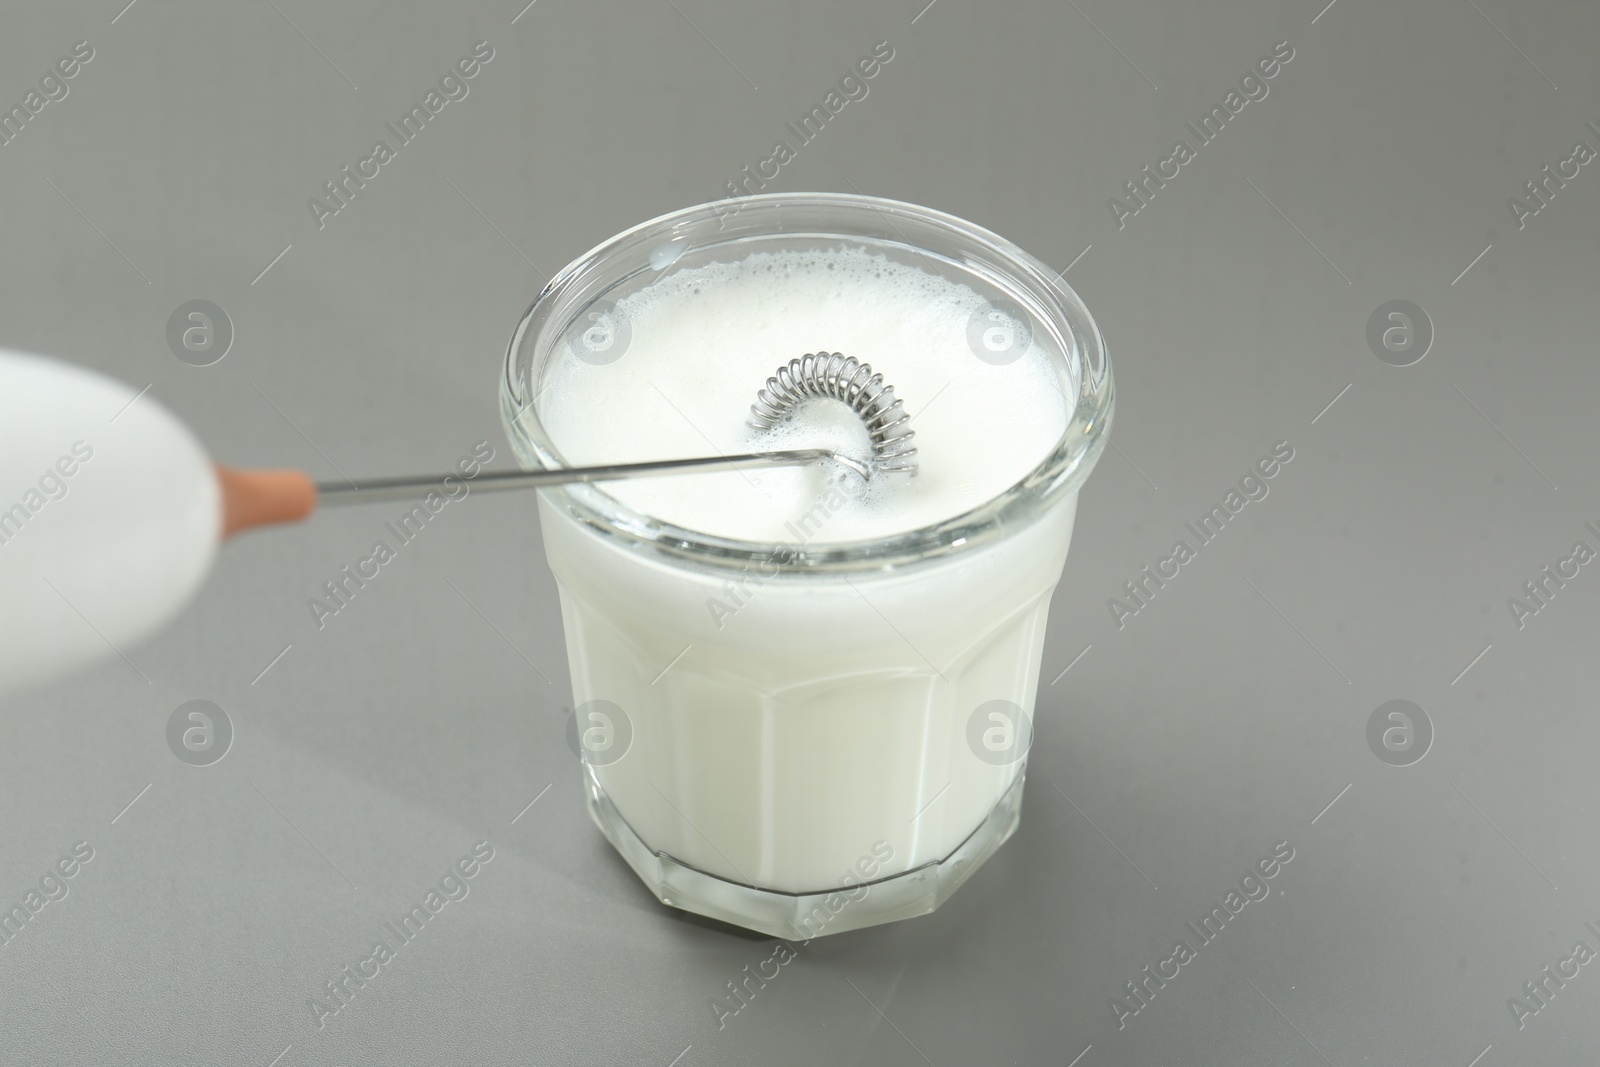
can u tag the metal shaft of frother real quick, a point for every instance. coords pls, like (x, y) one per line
(817, 374)
(499, 481)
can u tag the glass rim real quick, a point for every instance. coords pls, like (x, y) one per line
(1061, 471)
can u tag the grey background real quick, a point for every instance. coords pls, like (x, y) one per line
(1223, 718)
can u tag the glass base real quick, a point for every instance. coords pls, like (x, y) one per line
(802, 916)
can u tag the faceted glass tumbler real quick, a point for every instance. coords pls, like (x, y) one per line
(855, 746)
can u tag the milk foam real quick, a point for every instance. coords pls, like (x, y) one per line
(704, 339)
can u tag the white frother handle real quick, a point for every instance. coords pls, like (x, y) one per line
(110, 517)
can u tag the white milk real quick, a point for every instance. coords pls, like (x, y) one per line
(703, 341)
(782, 724)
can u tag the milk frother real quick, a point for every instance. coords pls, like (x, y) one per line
(111, 511)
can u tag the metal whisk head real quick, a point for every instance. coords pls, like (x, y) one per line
(846, 379)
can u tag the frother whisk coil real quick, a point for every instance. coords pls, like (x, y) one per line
(847, 379)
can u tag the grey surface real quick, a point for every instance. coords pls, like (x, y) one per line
(1222, 719)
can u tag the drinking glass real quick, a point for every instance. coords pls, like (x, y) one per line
(852, 745)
